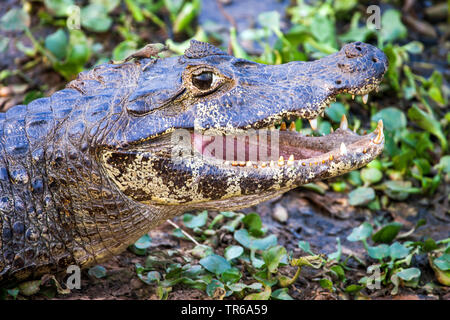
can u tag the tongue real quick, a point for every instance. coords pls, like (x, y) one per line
(234, 148)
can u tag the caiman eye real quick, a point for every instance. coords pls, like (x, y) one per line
(203, 81)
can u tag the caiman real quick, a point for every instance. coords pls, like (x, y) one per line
(87, 171)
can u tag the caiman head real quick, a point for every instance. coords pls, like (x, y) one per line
(198, 131)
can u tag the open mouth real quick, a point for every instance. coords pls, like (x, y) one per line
(271, 147)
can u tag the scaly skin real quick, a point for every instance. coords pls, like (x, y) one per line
(84, 173)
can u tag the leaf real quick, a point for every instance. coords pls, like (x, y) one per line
(143, 242)
(304, 245)
(109, 5)
(232, 275)
(409, 274)
(270, 20)
(213, 287)
(326, 284)
(444, 164)
(249, 242)
(265, 295)
(57, 44)
(60, 8)
(215, 264)
(398, 251)
(443, 262)
(233, 252)
(337, 254)
(273, 256)
(353, 288)
(150, 278)
(393, 118)
(371, 175)
(253, 223)
(335, 111)
(360, 233)
(379, 252)
(15, 20)
(281, 294)
(195, 221)
(95, 18)
(387, 233)
(97, 272)
(361, 196)
(392, 27)
(4, 42)
(427, 122)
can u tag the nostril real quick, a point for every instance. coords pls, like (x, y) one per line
(358, 43)
(375, 60)
(338, 81)
(358, 48)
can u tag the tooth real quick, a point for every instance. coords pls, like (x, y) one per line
(344, 123)
(313, 124)
(365, 150)
(331, 158)
(322, 114)
(283, 126)
(242, 163)
(380, 136)
(281, 161)
(263, 164)
(291, 160)
(249, 164)
(272, 128)
(227, 163)
(343, 149)
(365, 98)
(331, 130)
(353, 97)
(272, 164)
(234, 164)
(292, 126)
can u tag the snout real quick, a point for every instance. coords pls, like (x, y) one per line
(358, 65)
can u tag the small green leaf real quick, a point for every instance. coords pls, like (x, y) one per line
(215, 264)
(443, 262)
(371, 175)
(273, 256)
(15, 20)
(379, 252)
(353, 288)
(253, 223)
(95, 18)
(361, 196)
(195, 221)
(388, 233)
(326, 284)
(393, 118)
(97, 272)
(398, 251)
(337, 254)
(335, 111)
(281, 294)
(233, 252)
(232, 275)
(304, 245)
(428, 122)
(249, 242)
(60, 8)
(144, 242)
(213, 286)
(409, 274)
(361, 233)
(392, 26)
(265, 295)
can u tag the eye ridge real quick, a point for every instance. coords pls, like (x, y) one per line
(203, 81)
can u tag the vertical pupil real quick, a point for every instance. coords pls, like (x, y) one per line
(203, 81)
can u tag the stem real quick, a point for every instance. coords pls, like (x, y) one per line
(184, 232)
